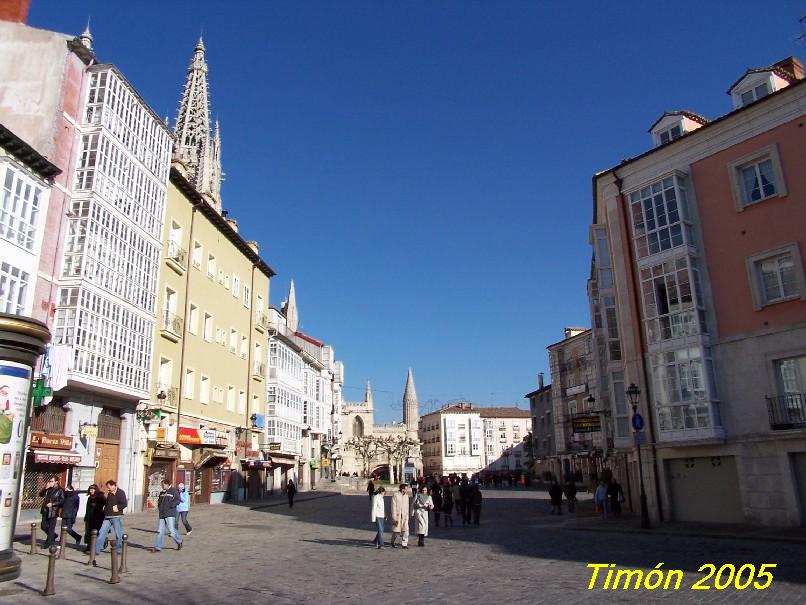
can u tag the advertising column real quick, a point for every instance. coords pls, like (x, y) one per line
(22, 340)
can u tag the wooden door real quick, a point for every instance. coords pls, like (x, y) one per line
(106, 460)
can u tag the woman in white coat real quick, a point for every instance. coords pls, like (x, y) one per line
(419, 510)
(378, 515)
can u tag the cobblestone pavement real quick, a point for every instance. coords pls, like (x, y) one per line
(319, 552)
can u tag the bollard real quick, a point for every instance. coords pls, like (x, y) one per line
(115, 579)
(123, 568)
(93, 540)
(33, 538)
(49, 588)
(62, 536)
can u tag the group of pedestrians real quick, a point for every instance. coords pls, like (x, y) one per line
(437, 495)
(104, 512)
(607, 497)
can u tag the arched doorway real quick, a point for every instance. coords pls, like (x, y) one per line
(381, 472)
(358, 427)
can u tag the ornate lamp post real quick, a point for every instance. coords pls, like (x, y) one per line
(22, 340)
(633, 392)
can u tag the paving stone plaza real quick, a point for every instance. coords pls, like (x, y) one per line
(320, 552)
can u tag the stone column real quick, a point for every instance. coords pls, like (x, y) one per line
(22, 340)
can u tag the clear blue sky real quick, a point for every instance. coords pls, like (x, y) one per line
(423, 169)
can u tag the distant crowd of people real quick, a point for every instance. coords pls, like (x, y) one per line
(608, 496)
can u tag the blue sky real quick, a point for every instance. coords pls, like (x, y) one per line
(422, 170)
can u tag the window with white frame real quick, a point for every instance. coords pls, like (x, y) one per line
(244, 346)
(754, 94)
(218, 394)
(13, 289)
(197, 254)
(672, 305)
(683, 387)
(670, 134)
(658, 214)
(247, 295)
(19, 208)
(208, 327)
(450, 449)
(211, 266)
(233, 340)
(230, 397)
(241, 401)
(236, 285)
(190, 379)
(204, 389)
(255, 409)
(790, 375)
(193, 319)
(776, 275)
(756, 177)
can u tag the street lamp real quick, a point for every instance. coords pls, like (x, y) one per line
(145, 414)
(633, 392)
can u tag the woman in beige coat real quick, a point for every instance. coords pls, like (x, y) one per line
(400, 515)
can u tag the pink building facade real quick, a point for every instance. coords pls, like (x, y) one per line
(698, 255)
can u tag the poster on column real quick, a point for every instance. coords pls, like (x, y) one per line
(15, 380)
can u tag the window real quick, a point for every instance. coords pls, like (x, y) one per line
(204, 389)
(247, 295)
(244, 347)
(233, 340)
(13, 289)
(450, 449)
(190, 379)
(19, 209)
(683, 379)
(241, 402)
(197, 254)
(208, 327)
(756, 177)
(658, 213)
(211, 266)
(672, 307)
(675, 132)
(255, 405)
(776, 275)
(218, 394)
(236, 285)
(755, 93)
(230, 397)
(193, 319)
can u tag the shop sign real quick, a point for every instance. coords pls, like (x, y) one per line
(325, 461)
(56, 458)
(314, 464)
(258, 421)
(51, 441)
(274, 447)
(161, 433)
(89, 430)
(197, 436)
(586, 424)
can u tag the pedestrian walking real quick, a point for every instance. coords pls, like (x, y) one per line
(447, 506)
(166, 505)
(571, 494)
(291, 491)
(52, 499)
(183, 508)
(475, 504)
(378, 516)
(370, 489)
(114, 506)
(616, 497)
(465, 491)
(600, 498)
(70, 512)
(401, 503)
(556, 495)
(436, 497)
(422, 504)
(93, 513)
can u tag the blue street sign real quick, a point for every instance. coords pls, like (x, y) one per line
(637, 422)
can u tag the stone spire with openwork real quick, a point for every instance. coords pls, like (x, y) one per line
(410, 407)
(194, 146)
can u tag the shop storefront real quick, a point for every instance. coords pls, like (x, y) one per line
(209, 469)
(161, 462)
(49, 455)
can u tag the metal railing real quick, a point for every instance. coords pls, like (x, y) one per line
(171, 394)
(177, 253)
(172, 323)
(259, 369)
(787, 411)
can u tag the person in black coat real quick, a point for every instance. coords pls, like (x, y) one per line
(436, 496)
(291, 491)
(70, 512)
(571, 494)
(53, 498)
(94, 513)
(556, 495)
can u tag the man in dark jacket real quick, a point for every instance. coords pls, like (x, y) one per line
(166, 505)
(464, 504)
(70, 512)
(53, 498)
(115, 503)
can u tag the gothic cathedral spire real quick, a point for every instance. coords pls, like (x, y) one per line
(193, 144)
(410, 412)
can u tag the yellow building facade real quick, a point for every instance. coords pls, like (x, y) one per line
(210, 352)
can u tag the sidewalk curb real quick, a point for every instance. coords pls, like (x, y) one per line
(285, 503)
(686, 534)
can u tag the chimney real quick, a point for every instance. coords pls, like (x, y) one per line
(540, 380)
(791, 65)
(14, 10)
(254, 245)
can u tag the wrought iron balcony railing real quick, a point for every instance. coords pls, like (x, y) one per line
(787, 411)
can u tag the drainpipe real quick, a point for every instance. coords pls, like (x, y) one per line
(641, 332)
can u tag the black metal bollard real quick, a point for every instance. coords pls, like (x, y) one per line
(93, 541)
(62, 536)
(49, 587)
(33, 538)
(115, 579)
(123, 568)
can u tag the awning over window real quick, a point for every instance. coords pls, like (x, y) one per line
(56, 457)
(210, 457)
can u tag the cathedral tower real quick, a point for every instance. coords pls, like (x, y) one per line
(411, 415)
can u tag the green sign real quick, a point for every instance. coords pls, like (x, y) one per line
(39, 392)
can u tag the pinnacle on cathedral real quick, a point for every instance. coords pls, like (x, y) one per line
(410, 406)
(193, 144)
